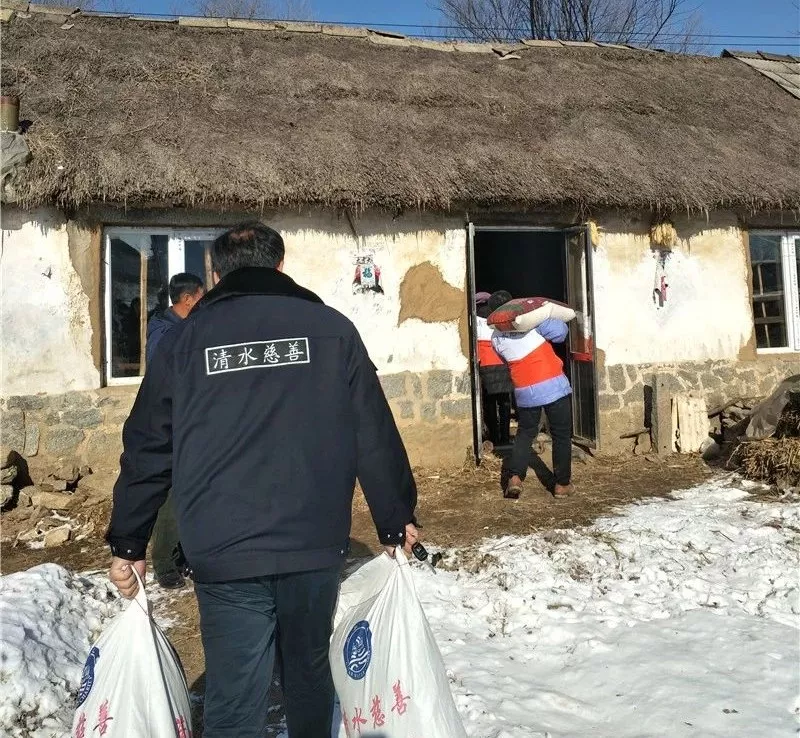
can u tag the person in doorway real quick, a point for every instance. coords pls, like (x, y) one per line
(262, 408)
(496, 384)
(185, 290)
(539, 384)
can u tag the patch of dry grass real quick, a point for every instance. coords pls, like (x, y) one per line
(773, 461)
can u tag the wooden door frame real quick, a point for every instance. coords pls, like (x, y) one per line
(472, 229)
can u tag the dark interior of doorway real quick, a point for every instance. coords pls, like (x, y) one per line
(526, 264)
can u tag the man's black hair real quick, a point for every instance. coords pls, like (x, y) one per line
(498, 299)
(250, 244)
(483, 310)
(183, 284)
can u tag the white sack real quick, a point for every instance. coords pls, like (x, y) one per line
(386, 666)
(133, 685)
(528, 321)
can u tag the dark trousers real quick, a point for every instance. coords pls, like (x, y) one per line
(559, 417)
(165, 539)
(241, 623)
(497, 417)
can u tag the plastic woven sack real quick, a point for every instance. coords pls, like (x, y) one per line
(767, 414)
(133, 685)
(386, 666)
(526, 313)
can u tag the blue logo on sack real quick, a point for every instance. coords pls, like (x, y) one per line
(358, 650)
(87, 679)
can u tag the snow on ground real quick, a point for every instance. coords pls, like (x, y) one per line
(676, 618)
(49, 618)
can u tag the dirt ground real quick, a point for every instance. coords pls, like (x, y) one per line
(456, 509)
(460, 508)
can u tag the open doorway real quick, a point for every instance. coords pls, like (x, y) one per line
(551, 263)
(526, 263)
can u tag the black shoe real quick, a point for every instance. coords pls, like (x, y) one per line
(170, 580)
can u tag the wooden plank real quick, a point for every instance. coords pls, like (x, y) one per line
(689, 422)
(661, 421)
(698, 423)
(142, 311)
(722, 408)
(209, 268)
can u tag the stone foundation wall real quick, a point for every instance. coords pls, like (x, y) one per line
(625, 407)
(434, 413)
(432, 409)
(84, 427)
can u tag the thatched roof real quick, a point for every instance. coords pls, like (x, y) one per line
(223, 112)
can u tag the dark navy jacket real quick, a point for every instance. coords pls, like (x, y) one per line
(158, 325)
(260, 410)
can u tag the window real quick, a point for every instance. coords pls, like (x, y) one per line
(775, 260)
(138, 265)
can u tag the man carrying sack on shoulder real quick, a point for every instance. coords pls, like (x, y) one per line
(539, 385)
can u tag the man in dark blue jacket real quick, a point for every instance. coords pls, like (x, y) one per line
(185, 291)
(261, 409)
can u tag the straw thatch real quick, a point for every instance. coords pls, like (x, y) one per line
(773, 461)
(143, 112)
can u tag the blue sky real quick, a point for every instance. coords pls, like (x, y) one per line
(721, 17)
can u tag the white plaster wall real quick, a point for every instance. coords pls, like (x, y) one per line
(320, 255)
(707, 315)
(45, 332)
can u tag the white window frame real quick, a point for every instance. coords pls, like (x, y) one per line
(789, 246)
(176, 263)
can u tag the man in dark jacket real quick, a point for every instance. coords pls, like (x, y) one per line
(261, 408)
(185, 291)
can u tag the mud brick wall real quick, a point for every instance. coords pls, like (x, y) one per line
(432, 409)
(622, 393)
